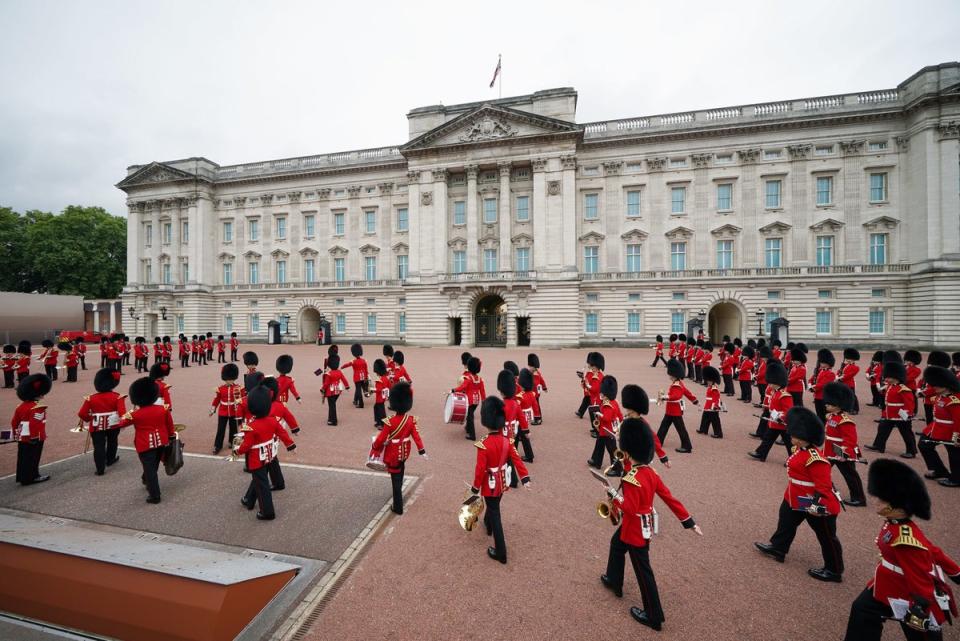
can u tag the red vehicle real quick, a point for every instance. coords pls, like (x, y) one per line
(88, 337)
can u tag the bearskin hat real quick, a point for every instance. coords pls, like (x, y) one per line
(194, 337)
(9, 349)
(144, 392)
(284, 363)
(752, 343)
(229, 372)
(209, 334)
(473, 365)
(749, 352)
(826, 357)
(219, 337)
(897, 484)
(156, 339)
(250, 359)
(166, 339)
(838, 394)
(877, 356)
(803, 348)
(271, 384)
(804, 424)
(765, 352)
(506, 383)
(464, 357)
(64, 346)
(673, 337)
(46, 343)
(534, 361)
(379, 367)
(938, 358)
(675, 369)
(608, 387)
(700, 343)
(798, 355)
(711, 375)
(333, 361)
(525, 380)
(892, 355)
(737, 342)
(182, 337)
(776, 342)
(401, 398)
(682, 338)
(659, 338)
(726, 338)
(260, 401)
(632, 397)
(252, 380)
(895, 370)
(761, 342)
(708, 346)
(935, 376)
(106, 379)
(33, 387)
(729, 348)
(636, 439)
(510, 366)
(357, 350)
(912, 356)
(851, 354)
(333, 349)
(159, 370)
(597, 360)
(691, 340)
(388, 350)
(492, 414)
(776, 373)
(233, 334)
(398, 357)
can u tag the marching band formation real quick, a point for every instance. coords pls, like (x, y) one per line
(254, 419)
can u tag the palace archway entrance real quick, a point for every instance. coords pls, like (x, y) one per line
(309, 324)
(490, 322)
(725, 319)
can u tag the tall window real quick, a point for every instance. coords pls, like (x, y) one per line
(824, 251)
(281, 271)
(634, 262)
(254, 229)
(769, 316)
(825, 190)
(878, 188)
(523, 208)
(339, 223)
(677, 321)
(180, 323)
(148, 235)
(459, 262)
(254, 273)
(167, 233)
(725, 197)
(878, 249)
(165, 273)
(371, 323)
(370, 267)
(773, 193)
(184, 272)
(489, 210)
(459, 212)
(489, 260)
(370, 221)
(284, 323)
(590, 322)
(724, 254)
(228, 231)
(633, 203)
(878, 321)
(402, 266)
(402, 323)
(403, 219)
(228, 323)
(824, 321)
(591, 206)
(309, 270)
(309, 226)
(678, 200)
(254, 323)
(341, 323)
(185, 232)
(228, 273)
(591, 260)
(523, 259)
(339, 269)
(633, 322)
(148, 273)
(773, 248)
(678, 256)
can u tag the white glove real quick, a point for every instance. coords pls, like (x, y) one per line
(903, 415)
(775, 415)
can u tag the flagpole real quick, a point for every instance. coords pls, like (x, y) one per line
(500, 65)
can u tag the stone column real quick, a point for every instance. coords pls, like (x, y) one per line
(949, 232)
(613, 216)
(134, 211)
(472, 220)
(506, 247)
(113, 317)
(439, 227)
(799, 213)
(750, 195)
(96, 317)
(203, 236)
(539, 205)
(698, 214)
(569, 186)
(413, 190)
(850, 201)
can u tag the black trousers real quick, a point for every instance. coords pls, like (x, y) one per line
(762, 426)
(885, 427)
(51, 371)
(658, 358)
(523, 438)
(728, 384)
(468, 424)
(825, 527)
(698, 373)
(184, 360)
(710, 419)
(202, 358)
(928, 414)
(143, 364)
(223, 423)
(233, 355)
(761, 390)
(640, 559)
(797, 398)
(259, 491)
(104, 448)
(584, 404)
(8, 378)
(690, 369)
(676, 421)
(746, 391)
(21, 376)
(491, 519)
(396, 484)
(275, 472)
(866, 621)
(380, 413)
(848, 470)
(769, 437)
(221, 357)
(150, 460)
(856, 402)
(602, 443)
(928, 449)
(332, 409)
(821, 409)
(876, 396)
(28, 460)
(358, 394)
(126, 358)
(114, 363)
(103, 360)
(71, 374)
(83, 361)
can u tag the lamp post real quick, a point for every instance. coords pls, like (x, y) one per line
(759, 314)
(163, 313)
(286, 323)
(133, 315)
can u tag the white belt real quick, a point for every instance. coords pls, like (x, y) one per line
(229, 402)
(942, 420)
(263, 446)
(803, 483)
(833, 438)
(494, 470)
(399, 440)
(894, 404)
(891, 566)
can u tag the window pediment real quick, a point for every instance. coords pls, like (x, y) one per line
(279, 253)
(400, 248)
(725, 231)
(592, 237)
(882, 222)
(338, 251)
(252, 255)
(634, 235)
(164, 257)
(522, 240)
(308, 251)
(776, 227)
(827, 224)
(369, 249)
(489, 238)
(458, 242)
(226, 256)
(679, 232)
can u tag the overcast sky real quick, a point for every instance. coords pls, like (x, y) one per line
(94, 86)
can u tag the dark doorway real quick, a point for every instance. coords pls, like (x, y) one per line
(491, 322)
(456, 331)
(523, 331)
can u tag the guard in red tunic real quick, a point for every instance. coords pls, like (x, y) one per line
(361, 378)
(71, 360)
(9, 365)
(585, 383)
(140, 353)
(597, 363)
(258, 448)
(944, 429)
(285, 383)
(393, 441)
(539, 386)
(912, 360)
(81, 349)
(24, 357)
(672, 353)
(157, 351)
(899, 407)
(912, 571)
(874, 376)
(221, 349)
(381, 393)
(841, 447)
(809, 497)
(234, 346)
(158, 372)
(658, 354)
(209, 344)
(153, 430)
(250, 361)
(334, 385)
(515, 422)
(689, 357)
(526, 398)
(822, 376)
(727, 363)
(49, 357)
(776, 348)
(673, 415)
(773, 422)
(608, 426)
(640, 522)
(939, 359)
(848, 374)
(388, 354)
(497, 461)
(764, 354)
(636, 404)
(797, 375)
(400, 373)
(101, 414)
(711, 404)
(226, 404)
(745, 374)
(472, 385)
(167, 350)
(29, 425)
(184, 350)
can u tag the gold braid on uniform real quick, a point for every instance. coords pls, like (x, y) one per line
(906, 537)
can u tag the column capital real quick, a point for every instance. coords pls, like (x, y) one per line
(413, 176)
(472, 171)
(568, 162)
(504, 167)
(539, 164)
(440, 175)
(294, 196)
(612, 167)
(266, 199)
(239, 201)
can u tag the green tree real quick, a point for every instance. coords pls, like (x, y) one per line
(81, 252)
(17, 273)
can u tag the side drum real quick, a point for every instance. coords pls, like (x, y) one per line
(455, 409)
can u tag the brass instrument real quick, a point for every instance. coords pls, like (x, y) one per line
(608, 509)
(235, 445)
(470, 511)
(596, 420)
(661, 397)
(618, 457)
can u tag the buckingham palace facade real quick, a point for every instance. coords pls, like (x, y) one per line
(507, 222)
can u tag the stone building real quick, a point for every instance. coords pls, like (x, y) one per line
(508, 222)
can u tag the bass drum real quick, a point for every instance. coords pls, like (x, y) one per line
(455, 410)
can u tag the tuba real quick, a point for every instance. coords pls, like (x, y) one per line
(470, 511)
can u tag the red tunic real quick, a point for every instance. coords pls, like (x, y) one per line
(777, 353)
(29, 422)
(528, 404)
(540, 384)
(712, 401)
(820, 380)
(591, 385)
(227, 399)
(72, 359)
(490, 475)
(394, 441)
(279, 411)
(946, 418)
(381, 392)
(472, 385)
(102, 411)
(23, 364)
(258, 441)
(359, 367)
(677, 391)
(727, 365)
(898, 398)
(780, 402)
(762, 372)
(515, 420)
(913, 376)
(610, 419)
(152, 425)
(640, 485)
(746, 370)
(334, 383)
(809, 482)
(841, 438)
(706, 359)
(848, 372)
(50, 356)
(796, 378)
(285, 386)
(9, 362)
(234, 343)
(221, 347)
(659, 348)
(164, 394)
